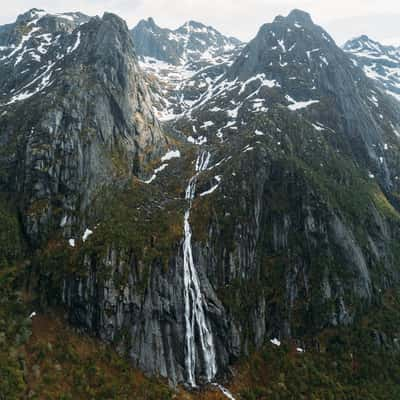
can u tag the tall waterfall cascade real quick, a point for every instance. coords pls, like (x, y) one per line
(197, 326)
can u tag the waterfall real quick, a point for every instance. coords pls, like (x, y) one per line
(195, 318)
(225, 391)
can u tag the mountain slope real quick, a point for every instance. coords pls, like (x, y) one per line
(30, 47)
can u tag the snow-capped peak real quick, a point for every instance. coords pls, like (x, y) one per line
(379, 62)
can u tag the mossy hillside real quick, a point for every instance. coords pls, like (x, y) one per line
(47, 360)
(147, 218)
(43, 358)
(134, 234)
(284, 373)
(15, 331)
(63, 364)
(11, 241)
(142, 222)
(55, 362)
(15, 326)
(345, 363)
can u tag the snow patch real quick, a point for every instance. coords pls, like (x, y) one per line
(170, 155)
(275, 342)
(86, 234)
(299, 105)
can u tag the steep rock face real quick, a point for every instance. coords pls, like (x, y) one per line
(379, 62)
(152, 41)
(77, 119)
(147, 323)
(282, 257)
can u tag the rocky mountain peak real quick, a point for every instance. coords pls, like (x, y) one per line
(364, 46)
(300, 16)
(148, 24)
(189, 43)
(30, 14)
(193, 27)
(150, 21)
(292, 44)
(293, 64)
(379, 62)
(37, 16)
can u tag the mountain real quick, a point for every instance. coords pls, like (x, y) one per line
(275, 241)
(379, 62)
(248, 236)
(192, 42)
(74, 114)
(29, 47)
(295, 64)
(181, 63)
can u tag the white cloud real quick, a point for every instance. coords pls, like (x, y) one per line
(241, 18)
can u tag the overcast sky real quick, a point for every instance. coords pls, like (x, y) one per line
(241, 18)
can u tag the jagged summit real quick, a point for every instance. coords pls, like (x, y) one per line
(379, 62)
(189, 43)
(32, 13)
(296, 16)
(365, 46)
(363, 38)
(300, 16)
(292, 43)
(294, 64)
(150, 21)
(37, 14)
(195, 27)
(192, 25)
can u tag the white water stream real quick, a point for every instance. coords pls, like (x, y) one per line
(196, 322)
(225, 392)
